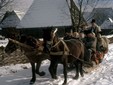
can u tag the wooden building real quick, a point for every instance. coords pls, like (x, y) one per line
(8, 23)
(45, 14)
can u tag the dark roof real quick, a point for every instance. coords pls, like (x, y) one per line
(75, 14)
(10, 19)
(101, 14)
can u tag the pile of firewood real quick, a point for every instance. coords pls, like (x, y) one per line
(16, 57)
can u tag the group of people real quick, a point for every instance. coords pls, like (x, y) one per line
(92, 33)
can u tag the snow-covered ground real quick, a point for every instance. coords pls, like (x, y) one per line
(20, 74)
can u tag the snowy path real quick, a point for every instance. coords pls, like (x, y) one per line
(20, 74)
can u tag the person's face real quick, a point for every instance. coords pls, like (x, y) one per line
(93, 24)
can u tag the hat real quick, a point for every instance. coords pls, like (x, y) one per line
(93, 21)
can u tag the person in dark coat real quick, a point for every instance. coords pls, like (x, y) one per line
(47, 37)
(93, 33)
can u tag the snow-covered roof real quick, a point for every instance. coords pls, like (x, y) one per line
(110, 20)
(101, 14)
(46, 13)
(10, 19)
(107, 24)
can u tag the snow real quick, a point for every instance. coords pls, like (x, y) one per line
(47, 13)
(4, 42)
(21, 6)
(11, 20)
(20, 74)
(110, 20)
(107, 24)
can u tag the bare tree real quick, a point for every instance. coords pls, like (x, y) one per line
(77, 8)
(74, 14)
(83, 5)
(3, 3)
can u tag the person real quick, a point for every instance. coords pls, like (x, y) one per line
(67, 36)
(97, 31)
(82, 29)
(95, 28)
(93, 33)
(90, 43)
(48, 34)
(46, 38)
